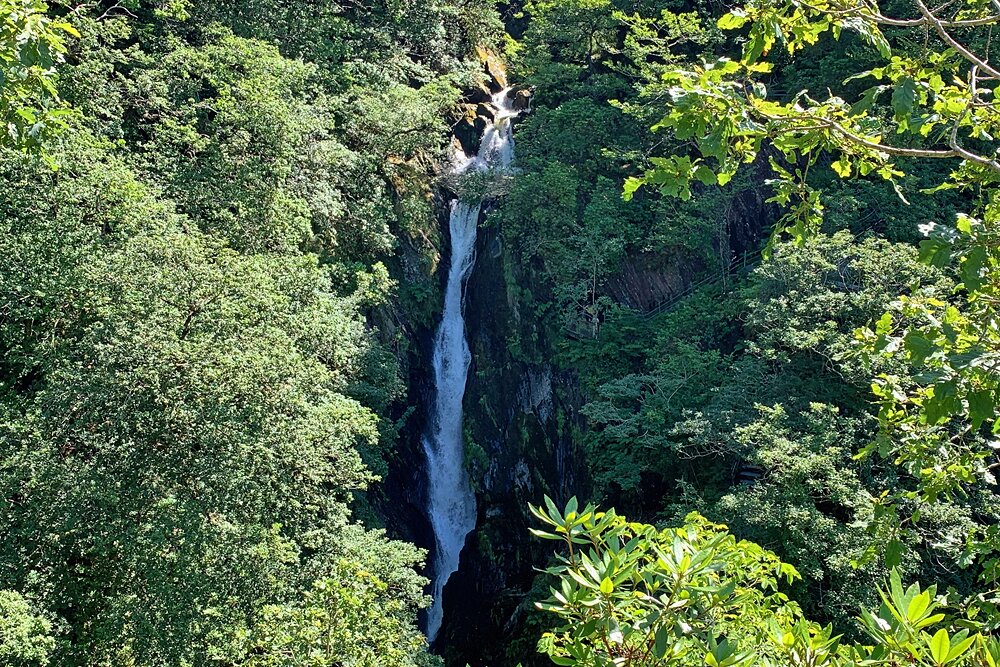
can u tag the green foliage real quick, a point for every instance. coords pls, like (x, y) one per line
(808, 300)
(765, 378)
(790, 321)
(248, 99)
(922, 96)
(364, 44)
(25, 635)
(315, 182)
(630, 594)
(933, 412)
(352, 615)
(771, 385)
(930, 97)
(952, 349)
(810, 502)
(564, 213)
(175, 417)
(32, 44)
(191, 394)
(939, 422)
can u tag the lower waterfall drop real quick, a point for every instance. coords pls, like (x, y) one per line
(451, 501)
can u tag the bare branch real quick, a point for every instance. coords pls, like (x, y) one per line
(871, 12)
(939, 27)
(955, 150)
(964, 152)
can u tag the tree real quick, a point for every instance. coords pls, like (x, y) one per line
(750, 408)
(565, 213)
(178, 439)
(938, 97)
(931, 98)
(25, 635)
(31, 46)
(351, 616)
(177, 447)
(191, 397)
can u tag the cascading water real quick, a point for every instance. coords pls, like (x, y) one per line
(451, 502)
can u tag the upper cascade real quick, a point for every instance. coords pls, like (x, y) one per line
(496, 148)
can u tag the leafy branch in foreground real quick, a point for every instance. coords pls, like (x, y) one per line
(940, 422)
(935, 101)
(31, 45)
(631, 595)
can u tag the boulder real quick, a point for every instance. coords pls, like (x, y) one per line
(494, 67)
(486, 111)
(522, 100)
(520, 97)
(470, 128)
(480, 94)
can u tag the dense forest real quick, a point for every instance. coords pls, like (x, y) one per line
(415, 333)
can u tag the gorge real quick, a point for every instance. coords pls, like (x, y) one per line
(301, 365)
(451, 502)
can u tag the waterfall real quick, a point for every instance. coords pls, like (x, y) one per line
(451, 502)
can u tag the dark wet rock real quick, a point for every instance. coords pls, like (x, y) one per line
(470, 127)
(522, 100)
(481, 94)
(486, 111)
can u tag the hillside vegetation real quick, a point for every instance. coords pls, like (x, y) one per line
(758, 246)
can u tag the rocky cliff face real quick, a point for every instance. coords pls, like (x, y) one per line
(521, 416)
(523, 430)
(648, 279)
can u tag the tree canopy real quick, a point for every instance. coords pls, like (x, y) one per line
(192, 393)
(754, 251)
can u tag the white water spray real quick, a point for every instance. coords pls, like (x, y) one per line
(451, 502)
